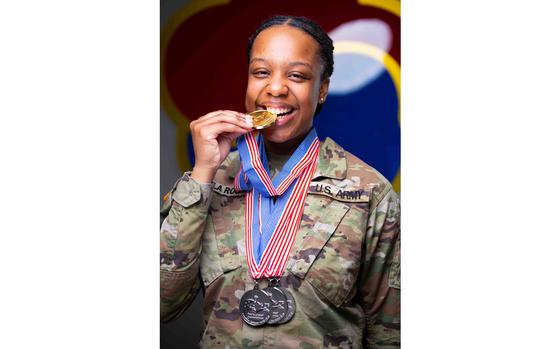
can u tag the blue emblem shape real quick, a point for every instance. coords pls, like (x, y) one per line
(361, 112)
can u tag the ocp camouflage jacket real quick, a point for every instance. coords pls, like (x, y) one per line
(343, 270)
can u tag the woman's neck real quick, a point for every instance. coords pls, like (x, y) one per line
(285, 148)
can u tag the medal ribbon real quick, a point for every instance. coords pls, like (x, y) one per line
(271, 227)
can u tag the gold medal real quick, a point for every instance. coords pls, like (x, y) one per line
(262, 119)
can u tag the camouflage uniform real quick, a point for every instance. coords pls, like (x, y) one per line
(343, 271)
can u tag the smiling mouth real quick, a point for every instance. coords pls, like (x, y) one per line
(280, 112)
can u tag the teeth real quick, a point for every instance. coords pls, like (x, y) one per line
(278, 110)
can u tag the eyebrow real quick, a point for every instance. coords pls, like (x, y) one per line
(300, 63)
(290, 64)
(257, 59)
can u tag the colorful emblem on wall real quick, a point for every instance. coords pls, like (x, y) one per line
(204, 68)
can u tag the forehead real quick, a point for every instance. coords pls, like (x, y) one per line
(285, 43)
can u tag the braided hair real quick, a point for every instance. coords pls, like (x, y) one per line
(312, 28)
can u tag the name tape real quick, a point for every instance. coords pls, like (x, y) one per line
(339, 194)
(318, 188)
(227, 190)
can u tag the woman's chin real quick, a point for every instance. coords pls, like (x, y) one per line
(274, 135)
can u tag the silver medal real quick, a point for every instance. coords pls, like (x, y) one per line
(290, 305)
(278, 304)
(255, 307)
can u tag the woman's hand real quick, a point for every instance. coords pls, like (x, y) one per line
(212, 135)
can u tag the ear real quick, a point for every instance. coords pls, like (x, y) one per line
(324, 90)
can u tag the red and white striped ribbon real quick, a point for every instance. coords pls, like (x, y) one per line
(276, 253)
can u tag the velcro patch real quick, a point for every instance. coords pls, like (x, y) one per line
(339, 194)
(226, 190)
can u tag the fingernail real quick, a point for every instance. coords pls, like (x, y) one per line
(248, 120)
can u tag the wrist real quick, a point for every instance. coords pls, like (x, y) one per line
(203, 175)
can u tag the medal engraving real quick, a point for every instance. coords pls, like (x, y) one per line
(262, 119)
(255, 307)
(291, 306)
(278, 304)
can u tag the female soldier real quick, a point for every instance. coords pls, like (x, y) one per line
(294, 242)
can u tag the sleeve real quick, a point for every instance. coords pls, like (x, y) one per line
(379, 289)
(184, 215)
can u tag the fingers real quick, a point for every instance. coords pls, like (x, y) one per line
(213, 116)
(212, 135)
(213, 124)
(213, 131)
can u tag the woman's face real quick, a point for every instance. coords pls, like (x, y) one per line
(285, 78)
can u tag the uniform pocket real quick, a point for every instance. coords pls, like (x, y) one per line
(329, 255)
(337, 265)
(212, 265)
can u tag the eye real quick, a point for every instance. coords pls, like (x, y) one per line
(297, 76)
(261, 73)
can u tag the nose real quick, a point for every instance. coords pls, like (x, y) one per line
(277, 87)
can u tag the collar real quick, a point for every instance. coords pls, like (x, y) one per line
(331, 163)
